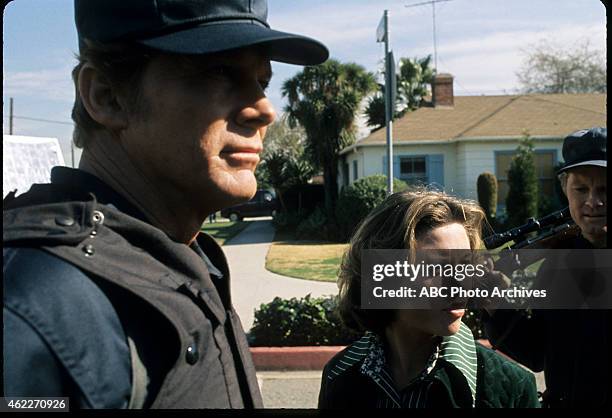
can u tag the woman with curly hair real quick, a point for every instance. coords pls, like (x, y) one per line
(415, 358)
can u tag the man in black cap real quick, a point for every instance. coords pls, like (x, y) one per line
(583, 180)
(112, 296)
(571, 346)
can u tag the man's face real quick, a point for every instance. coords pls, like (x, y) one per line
(586, 193)
(199, 129)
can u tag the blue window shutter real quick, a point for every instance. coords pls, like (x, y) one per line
(435, 170)
(396, 166)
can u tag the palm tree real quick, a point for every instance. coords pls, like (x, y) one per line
(412, 81)
(324, 100)
(275, 166)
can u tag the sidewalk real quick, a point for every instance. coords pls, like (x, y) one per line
(293, 389)
(252, 284)
(300, 389)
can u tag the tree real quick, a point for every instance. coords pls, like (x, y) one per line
(282, 136)
(413, 78)
(274, 166)
(324, 100)
(359, 199)
(522, 199)
(551, 69)
(487, 194)
(284, 170)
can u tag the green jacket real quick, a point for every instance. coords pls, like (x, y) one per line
(500, 383)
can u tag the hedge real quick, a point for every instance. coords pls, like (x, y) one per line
(306, 321)
(312, 321)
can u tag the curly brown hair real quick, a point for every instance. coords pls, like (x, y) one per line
(397, 223)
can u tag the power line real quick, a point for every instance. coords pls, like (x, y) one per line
(43, 120)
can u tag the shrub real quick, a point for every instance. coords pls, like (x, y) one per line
(312, 321)
(560, 199)
(522, 200)
(358, 199)
(487, 193)
(313, 227)
(287, 221)
(306, 321)
(304, 198)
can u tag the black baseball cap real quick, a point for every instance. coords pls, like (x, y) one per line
(585, 147)
(193, 27)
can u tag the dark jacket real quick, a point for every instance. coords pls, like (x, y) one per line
(84, 275)
(571, 346)
(500, 383)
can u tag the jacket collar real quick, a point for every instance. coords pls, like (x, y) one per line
(74, 178)
(460, 351)
(60, 217)
(457, 351)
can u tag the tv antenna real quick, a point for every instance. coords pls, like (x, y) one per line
(433, 9)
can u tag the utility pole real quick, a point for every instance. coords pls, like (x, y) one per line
(433, 10)
(11, 116)
(382, 35)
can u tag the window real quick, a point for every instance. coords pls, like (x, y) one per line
(545, 170)
(413, 170)
(355, 176)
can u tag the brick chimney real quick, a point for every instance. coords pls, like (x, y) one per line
(442, 90)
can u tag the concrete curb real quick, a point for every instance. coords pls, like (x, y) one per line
(301, 358)
(292, 358)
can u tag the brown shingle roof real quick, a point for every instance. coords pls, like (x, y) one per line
(554, 115)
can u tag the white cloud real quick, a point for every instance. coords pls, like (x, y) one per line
(506, 40)
(489, 64)
(483, 53)
(340, 25)
(51, 84)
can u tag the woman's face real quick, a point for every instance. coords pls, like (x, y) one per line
(436, 322)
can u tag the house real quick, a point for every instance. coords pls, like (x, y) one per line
(452, 140)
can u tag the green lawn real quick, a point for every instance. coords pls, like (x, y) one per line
(223, 231)
(306, 259)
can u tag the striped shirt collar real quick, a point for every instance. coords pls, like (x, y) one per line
(459, 350)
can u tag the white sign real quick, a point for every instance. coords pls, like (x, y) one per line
(27, 160)
(381, 30)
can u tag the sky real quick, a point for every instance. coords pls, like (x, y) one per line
(482, 43)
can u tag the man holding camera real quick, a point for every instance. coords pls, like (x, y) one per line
(571, 346)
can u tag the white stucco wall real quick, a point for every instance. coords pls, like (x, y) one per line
(370, 160)
(464, 160)
(476, 157)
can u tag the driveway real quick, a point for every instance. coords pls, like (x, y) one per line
(252, 284)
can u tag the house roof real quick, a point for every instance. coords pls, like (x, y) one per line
(549, 115)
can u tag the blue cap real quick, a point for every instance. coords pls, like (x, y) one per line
(585, 147)
(193, 27)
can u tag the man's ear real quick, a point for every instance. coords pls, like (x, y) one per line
(101, 100)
